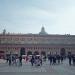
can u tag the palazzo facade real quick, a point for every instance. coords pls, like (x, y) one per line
(41, 43)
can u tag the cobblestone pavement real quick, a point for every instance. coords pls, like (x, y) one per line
(45, 69)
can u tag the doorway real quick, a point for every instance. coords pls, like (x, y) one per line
(63, 52)
(22, 51)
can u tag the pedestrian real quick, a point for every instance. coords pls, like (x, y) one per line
(20, 60)
(58, 59)
(54, 59)
(61, 58)
(32, 60)
(15, 62)
(13, 58)
(74, 60)
(50, 59)
(9, 59)
(70, 58)
(40, 61)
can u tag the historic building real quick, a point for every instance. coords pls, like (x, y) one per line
(41, 43)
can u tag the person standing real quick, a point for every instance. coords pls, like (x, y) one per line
(32, 60)
(50, 59)
(20, 60)
(58, 58)
(73, 60)
(70, 58)
(61, 58)
(40, 60)
(9, 59)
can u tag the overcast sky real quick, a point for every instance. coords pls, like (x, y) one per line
(28, 16)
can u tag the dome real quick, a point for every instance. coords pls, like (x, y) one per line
(42, 32)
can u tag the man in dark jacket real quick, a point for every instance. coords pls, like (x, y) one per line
(50, 59)
(70, 58)
(32, 60)
(20, 60)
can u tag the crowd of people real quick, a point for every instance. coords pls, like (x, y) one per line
(37, 60)
(57, 59)
(14, 60)
(71, 58)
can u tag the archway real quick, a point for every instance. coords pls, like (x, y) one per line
(22, 51)
(29, 53)
(63, 52)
